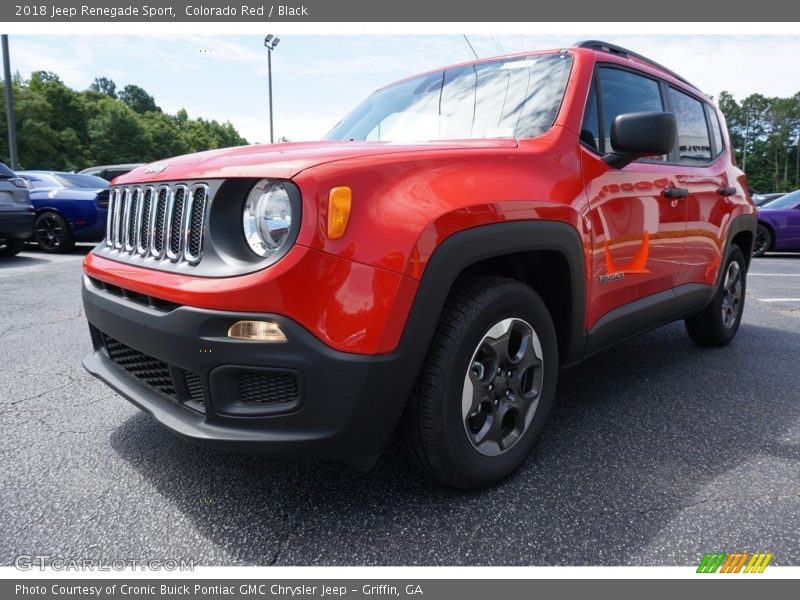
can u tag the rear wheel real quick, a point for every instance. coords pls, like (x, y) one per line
(52, 233)
(763, 240)
(718, 323)
(11, 247)
(487, 384)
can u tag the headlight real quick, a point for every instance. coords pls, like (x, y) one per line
(267, 217)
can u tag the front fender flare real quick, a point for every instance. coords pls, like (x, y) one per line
(473, 245)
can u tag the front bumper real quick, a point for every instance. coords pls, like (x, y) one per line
(201, 384)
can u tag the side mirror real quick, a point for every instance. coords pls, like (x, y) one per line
(634, 135)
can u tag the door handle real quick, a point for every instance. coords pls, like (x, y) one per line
(726, 191)
(675, 193)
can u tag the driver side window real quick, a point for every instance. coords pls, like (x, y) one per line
(615, 92)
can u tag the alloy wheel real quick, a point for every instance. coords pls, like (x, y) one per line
(731, 295)
(502, 386)
(49, 232)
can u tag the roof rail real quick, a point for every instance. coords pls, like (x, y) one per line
(620, 51)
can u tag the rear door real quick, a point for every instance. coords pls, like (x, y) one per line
(637, 232)
(703, 171)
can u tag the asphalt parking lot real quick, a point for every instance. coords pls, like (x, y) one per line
(657, 452)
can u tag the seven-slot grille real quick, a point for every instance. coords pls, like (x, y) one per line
(164, 222)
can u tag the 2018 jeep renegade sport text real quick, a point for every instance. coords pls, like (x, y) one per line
(310, 299)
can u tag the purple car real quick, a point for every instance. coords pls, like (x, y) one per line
(779, 225)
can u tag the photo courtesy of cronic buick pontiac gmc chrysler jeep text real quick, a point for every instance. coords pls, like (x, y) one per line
(311, 299)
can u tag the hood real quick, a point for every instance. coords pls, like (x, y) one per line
(284, 161)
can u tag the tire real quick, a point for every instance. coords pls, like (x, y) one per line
(474, 440)
(11, 247)
(52, 233)
(763, 242)
(718, 323)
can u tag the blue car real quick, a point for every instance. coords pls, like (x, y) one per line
(69, 208)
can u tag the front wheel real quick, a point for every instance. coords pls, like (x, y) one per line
(718, 323)
(487, 384)
(52, 233)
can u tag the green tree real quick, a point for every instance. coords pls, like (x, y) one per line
(116, 134)
(765, 135)
(62, 129)
(104, 85)
(138, 100)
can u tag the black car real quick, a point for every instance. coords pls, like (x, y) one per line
(16, 212)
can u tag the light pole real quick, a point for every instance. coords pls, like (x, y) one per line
(270, 42)
(12, 126)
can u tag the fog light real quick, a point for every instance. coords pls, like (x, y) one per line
(262, 331)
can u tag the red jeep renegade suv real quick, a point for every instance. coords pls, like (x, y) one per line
(430, 266)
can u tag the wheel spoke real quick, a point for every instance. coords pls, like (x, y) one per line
(500, 347)
(485, 433)
(474, 393)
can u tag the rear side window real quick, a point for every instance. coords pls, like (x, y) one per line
(625, 92)
(694, 145)
(716, 131)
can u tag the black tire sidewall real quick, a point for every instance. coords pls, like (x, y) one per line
(522, 303)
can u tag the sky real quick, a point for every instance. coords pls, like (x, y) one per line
(317, 79)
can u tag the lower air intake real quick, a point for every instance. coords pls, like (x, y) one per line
(267, 388)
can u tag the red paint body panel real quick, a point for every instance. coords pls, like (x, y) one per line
(355, 293)
(349, 306)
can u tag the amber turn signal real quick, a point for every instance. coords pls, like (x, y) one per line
(339, 202)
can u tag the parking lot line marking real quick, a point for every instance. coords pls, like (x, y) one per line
(779, 299)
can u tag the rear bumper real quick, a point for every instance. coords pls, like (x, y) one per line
(16, 224)
(340, 405)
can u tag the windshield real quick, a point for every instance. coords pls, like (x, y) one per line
(511, 98)
(786, 201)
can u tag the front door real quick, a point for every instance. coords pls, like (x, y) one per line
(637, 231)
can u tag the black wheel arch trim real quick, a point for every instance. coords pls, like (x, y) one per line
(741, 223)
(470, 246)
